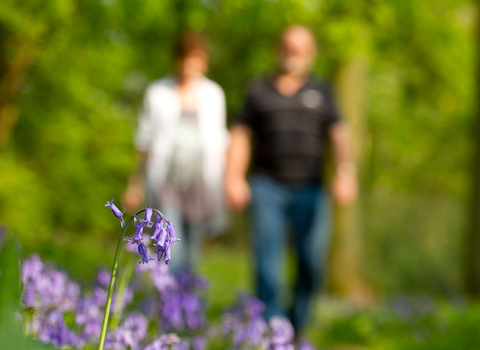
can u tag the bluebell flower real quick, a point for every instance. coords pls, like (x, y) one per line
(158, 228)
(167, 251)
(142, 249)
(148, 217)
(137, 238)
(171, 232)
(116, 212)
(162, 239)
(160, 251)
(114, 209)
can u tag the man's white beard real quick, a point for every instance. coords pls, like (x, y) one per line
(295, 66)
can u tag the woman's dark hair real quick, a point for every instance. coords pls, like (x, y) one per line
(189, 42)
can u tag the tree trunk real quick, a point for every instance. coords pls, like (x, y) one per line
(472, 276)
(345, 257)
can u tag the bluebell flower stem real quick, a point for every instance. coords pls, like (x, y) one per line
(108, 305)
(120, 301)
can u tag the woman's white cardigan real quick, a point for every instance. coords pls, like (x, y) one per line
(157, 125)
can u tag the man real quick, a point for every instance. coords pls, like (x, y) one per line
(288, 117)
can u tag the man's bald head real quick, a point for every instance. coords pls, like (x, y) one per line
(297, 50)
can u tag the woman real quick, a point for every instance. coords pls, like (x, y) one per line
(181, 141)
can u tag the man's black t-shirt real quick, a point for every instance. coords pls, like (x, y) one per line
(289, 131)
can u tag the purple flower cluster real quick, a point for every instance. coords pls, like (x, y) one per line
(45, 287)
(248, 329)
(55, 298)
(163, 234)
(245, 323)
(180, 307)
(90, 308)
(178, 304)
(163, 342)
(129, 334)
(65, 317)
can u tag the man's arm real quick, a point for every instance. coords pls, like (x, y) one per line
(135, 193)
(344, 185)
(237, 189)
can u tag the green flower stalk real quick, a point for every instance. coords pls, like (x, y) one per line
(142, 249)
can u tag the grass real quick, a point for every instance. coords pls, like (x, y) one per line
(396, 323)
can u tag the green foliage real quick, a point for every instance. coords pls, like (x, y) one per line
(426, 325)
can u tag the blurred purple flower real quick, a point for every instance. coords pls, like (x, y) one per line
(163, 342)
(51, 328)
(305, 345)
(183, 345)
(45, 287)
(198, 343)
(103, 277)
(246, 324)
(129, 334)
(282, 331)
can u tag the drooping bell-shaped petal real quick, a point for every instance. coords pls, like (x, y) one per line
(142, 249)
(148, 217)
(167, 252)
(171, 232)
(114, 209)
(138, 232)
(160, 252)
(162, 238)
(157, 229)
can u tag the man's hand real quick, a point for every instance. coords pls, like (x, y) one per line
(238, 193)
(344, 185)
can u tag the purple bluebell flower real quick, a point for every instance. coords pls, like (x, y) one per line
(142, 249)
(52, 329)
(282, 331)
(198, 343)
(129, 334)
(305, 345)
(116, 212)
(46, 287)
(162, 238)
(160, 252)
(183, 345)
(171, 232)
(163, 342)
(137, 238)
(114, 209)
(168, 252)
(103, 277)
(158, 228)
(148, 216)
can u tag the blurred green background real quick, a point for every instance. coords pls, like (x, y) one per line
(72, 76)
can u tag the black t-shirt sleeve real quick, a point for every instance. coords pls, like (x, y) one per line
(332, 116)
(245, 116)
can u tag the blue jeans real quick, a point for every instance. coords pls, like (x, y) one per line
(274, 206)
